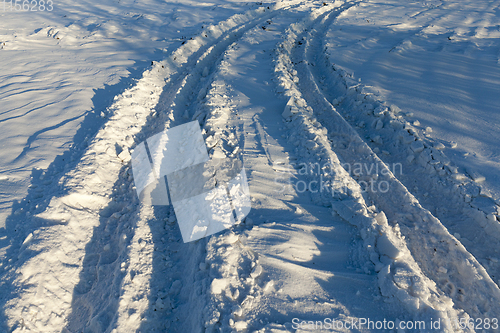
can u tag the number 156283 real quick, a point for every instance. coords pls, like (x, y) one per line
(26, 5)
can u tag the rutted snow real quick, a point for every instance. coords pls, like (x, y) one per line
(272, 86)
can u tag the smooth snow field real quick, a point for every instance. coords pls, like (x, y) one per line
(231, 166)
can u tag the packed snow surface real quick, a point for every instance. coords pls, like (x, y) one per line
(367, 133)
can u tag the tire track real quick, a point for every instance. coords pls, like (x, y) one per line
(434, 174)
(434, 249)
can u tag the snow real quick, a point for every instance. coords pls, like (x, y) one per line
(331, 160)
(437, 60)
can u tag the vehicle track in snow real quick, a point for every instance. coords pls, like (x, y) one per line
(233, 266)
(441, 257)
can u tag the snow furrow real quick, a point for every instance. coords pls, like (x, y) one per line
(433, 248)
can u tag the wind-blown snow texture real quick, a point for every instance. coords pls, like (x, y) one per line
(368, 131)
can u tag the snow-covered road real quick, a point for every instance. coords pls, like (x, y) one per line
(359, 209)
